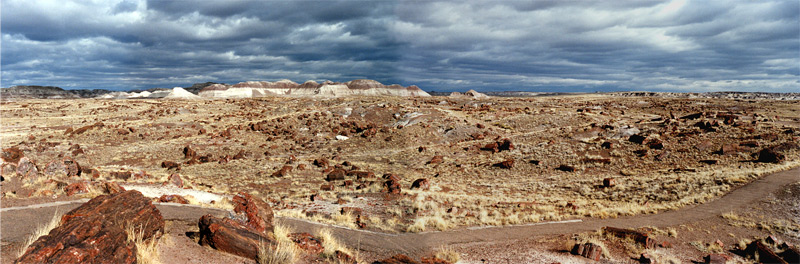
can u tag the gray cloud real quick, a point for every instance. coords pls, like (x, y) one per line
(439, 45)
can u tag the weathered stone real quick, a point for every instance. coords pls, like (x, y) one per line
(391, 186)
(189, 153)
(231, 236)
(76, 188)
(175, 180)
(307, 242)
(335, 175)
(112, 188)
(609, 182)
(764, 253)
(436, 159)
(769, 155)
(344, 258)
(506, 164)
(121, 175)
(64, 167)
(351, 210)
(505, 144)
(716, 259)
(326, 187)
(361, 174)
(95, 231)
(170, 165)
(422, 184)
(282, 172)
(565, 168)
(588, 250)
(258, 213)
(638, 139)
(12, 155)
(397, 259)
(173, 198)
(321, 162)
(26, 168)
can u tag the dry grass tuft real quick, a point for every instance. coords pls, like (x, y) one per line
(146, 250)
(284, 251)
(331, 245)
(448, 254)
(41, 231)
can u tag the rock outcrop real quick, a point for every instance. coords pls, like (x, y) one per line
(95, 232)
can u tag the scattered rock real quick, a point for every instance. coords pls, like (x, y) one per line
(392, 186)
(422, 184)
(769, 155)
(335, 175)
(506, 164)
(566, 168)
(638, 139)
(170, 165)
(283, 171)
(588, 250)
(76, 188)
(121, 175)
(609, 182)
(27, 169)
(716, 259)
(64, 167)
(436, 159)
(326, 187)
(12, 155)
(361, 174)
(321, 162)
(307, 242)
(173, 198)
(189, 153)
(112, 188)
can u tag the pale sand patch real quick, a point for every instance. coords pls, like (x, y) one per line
(156, 191)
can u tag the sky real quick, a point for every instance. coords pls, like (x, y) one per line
(544, 46)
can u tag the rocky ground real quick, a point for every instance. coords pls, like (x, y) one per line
(403, 165)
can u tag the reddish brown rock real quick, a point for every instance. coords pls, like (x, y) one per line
(282, 172)
(76, 188)
(173, 198)
(11, 155)
(422, 184)
(335, 175)
(361, 174)
(397, 259)
(257, 212)
(95, 231)
(351, 210)
(587, 250)
(506, 164)
(505, 144)
(433, 260)
(344, 258)
(436, 159)
(121, 175)
(391, 176)
(609, 182)
(189, 153)
(228, 235)
(493, 147)
(391, 186)
(716, 259)
(170, 165)
(566, 168)
(307, 242)
(321, 162)
(326, 187)
(112, 188)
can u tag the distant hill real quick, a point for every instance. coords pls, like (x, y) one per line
(35, 91)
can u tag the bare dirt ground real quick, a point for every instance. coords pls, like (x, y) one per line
(660, 154)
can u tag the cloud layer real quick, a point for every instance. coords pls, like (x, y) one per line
(439, 45)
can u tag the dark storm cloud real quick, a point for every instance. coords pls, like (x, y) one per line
(439, 45)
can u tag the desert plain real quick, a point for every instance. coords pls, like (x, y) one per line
(489, 180)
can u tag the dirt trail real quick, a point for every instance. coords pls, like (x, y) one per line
(18, 222)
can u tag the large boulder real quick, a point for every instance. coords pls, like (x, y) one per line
(257, 212)
(95, 232)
